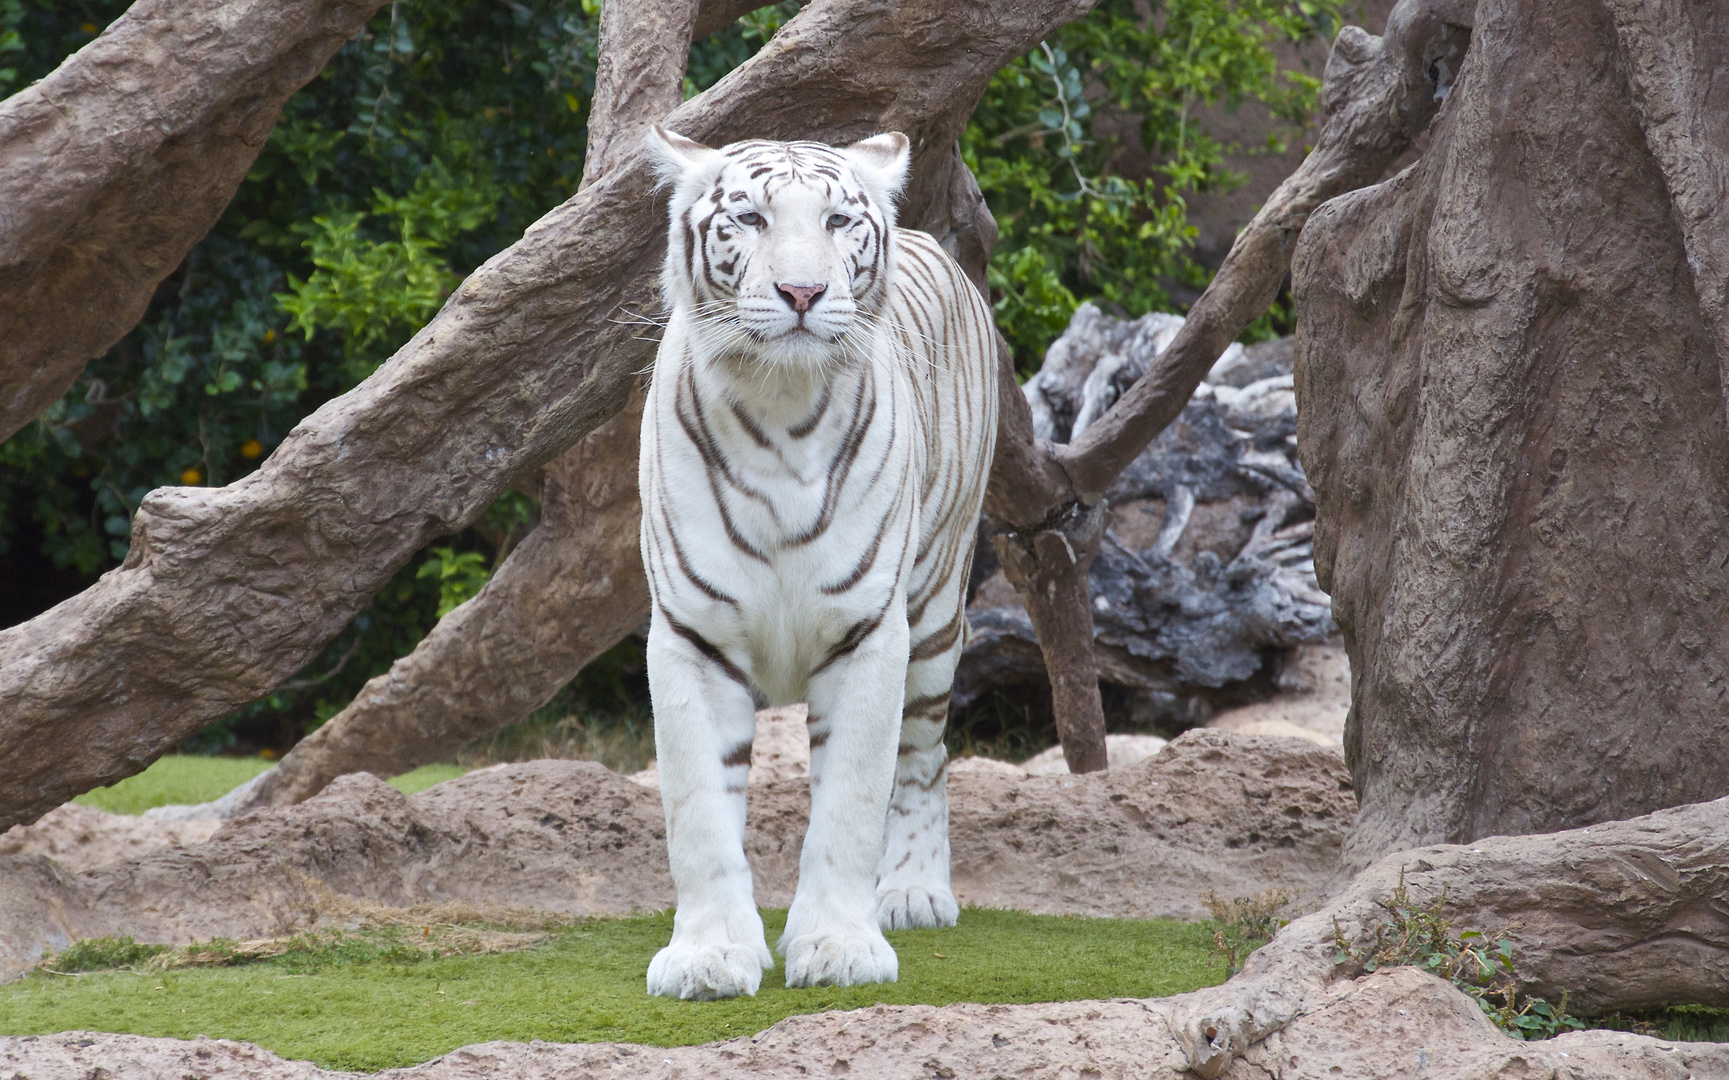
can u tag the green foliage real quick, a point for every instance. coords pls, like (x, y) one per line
(1677, 1023)
(374, 293)
(1056, 140)
(1480, 964)
(459, 575)
(376, 1000)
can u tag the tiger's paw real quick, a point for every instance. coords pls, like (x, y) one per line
(845, 959)
(915, 907)
(707, 972)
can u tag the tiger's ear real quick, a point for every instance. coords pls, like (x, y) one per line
(676, 156)
(883, 160)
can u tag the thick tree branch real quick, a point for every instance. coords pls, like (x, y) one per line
(576, 585)
(228, 591)
(115, 165)
(639, 77)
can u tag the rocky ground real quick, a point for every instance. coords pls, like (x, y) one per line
(1400, 1023)
(1220, 810)
(1212, 812)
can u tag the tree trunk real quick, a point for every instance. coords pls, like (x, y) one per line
(1510, 362)
(566, 594)
(117, 163)
(228, 591)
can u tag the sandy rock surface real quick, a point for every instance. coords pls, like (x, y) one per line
(1121, 751)
(1213, 811)
(1312, 705)
(82, 838)
(1402, 1023)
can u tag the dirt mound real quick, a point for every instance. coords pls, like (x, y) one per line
(1213, 811)
(81, 838)
(1397, 1023)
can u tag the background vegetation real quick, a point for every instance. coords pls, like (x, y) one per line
(429, 143)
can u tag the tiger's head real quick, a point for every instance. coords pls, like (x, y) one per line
(780, 249)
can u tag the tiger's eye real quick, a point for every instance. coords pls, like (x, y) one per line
(838, 221)
(749, 217)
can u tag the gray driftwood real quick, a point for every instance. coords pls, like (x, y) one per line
(1205, 574)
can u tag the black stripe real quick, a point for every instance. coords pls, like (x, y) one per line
(808, 424)
(924, 707)
(707, 649)
(740, 755)
(868, 559)
(841, 465)
(926, 785)
(940, 642)
(855, 636)
(757, 435)
(684, 566)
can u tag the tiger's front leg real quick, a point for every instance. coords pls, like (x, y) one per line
(832, 934)
(704, 723)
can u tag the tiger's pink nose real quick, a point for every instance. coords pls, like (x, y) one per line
(800, 296)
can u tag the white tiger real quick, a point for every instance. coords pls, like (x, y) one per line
(818, 434)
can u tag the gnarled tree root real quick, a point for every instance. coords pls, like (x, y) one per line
(1621, 915)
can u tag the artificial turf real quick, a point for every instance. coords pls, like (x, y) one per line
(357, 1011)
(184, 778)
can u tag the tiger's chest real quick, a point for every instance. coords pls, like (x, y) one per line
(779, 517)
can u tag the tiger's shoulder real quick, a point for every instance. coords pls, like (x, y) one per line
(925, 274)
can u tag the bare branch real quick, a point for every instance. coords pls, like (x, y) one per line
(639, 77)
(1379, 95)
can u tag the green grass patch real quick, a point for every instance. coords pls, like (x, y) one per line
(370, 1005)
(187, 778)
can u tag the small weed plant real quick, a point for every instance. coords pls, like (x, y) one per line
(1478, 963)
(1246, 923)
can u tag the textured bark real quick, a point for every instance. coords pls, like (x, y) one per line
(1624, 915)
(115, 165)
(1510, 364)
(638, 78)
(228, 591)
(566, 594)
(1049, 570)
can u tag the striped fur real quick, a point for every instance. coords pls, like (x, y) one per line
(811, 480)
